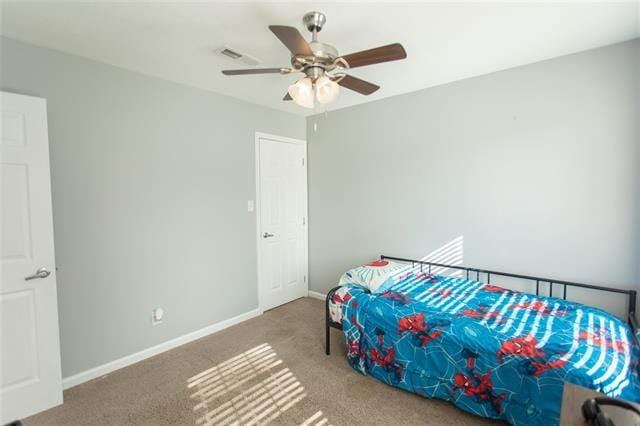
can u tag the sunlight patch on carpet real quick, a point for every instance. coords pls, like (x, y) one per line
(254, 387)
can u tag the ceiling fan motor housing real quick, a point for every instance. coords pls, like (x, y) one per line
(323, 51)
(324, 56)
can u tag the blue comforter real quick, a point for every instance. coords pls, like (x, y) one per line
(492, 352)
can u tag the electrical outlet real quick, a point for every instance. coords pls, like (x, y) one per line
(156, 316)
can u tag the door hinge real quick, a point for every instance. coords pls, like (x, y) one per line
(304, 221)
(305, 278)
(303, 162)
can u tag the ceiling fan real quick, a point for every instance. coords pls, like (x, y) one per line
(321, 64)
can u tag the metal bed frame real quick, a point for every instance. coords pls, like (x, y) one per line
(482, 273)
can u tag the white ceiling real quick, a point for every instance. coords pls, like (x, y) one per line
(444, 41)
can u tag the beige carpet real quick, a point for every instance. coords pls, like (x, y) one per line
(271, 369)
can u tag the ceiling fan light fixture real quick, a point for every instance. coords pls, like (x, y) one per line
(326, 90)
(302, 92)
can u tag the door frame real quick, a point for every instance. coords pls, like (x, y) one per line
(282, 139)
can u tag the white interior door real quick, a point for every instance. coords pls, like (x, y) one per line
(30, 376)
(282, 222)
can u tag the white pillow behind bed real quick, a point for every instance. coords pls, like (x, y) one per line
(372, 275)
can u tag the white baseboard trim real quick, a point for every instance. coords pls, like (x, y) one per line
(107, 368)
(316, 295)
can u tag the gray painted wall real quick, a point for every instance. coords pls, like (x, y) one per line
(150, 187)
(535, 167)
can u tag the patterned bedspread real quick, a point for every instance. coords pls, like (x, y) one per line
(493, 352)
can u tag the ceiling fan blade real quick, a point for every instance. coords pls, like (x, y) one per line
(391, 52)
(291, 37)
(358, 85)
(254, 71)
(287, 97)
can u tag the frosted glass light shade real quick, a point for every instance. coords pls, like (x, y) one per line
(326, 90)
(302, 92)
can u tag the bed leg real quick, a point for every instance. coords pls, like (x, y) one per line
(328, 323)
(328, 342)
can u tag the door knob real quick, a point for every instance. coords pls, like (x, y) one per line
(40, 273)
(267, 235)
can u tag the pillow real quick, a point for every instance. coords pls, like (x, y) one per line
(373, 275)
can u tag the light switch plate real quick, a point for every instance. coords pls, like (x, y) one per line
(156, 316)
(250, 206)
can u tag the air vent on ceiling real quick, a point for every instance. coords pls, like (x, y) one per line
(231, 53)
(236, 55)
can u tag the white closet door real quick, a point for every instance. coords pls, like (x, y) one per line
(282, 230)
